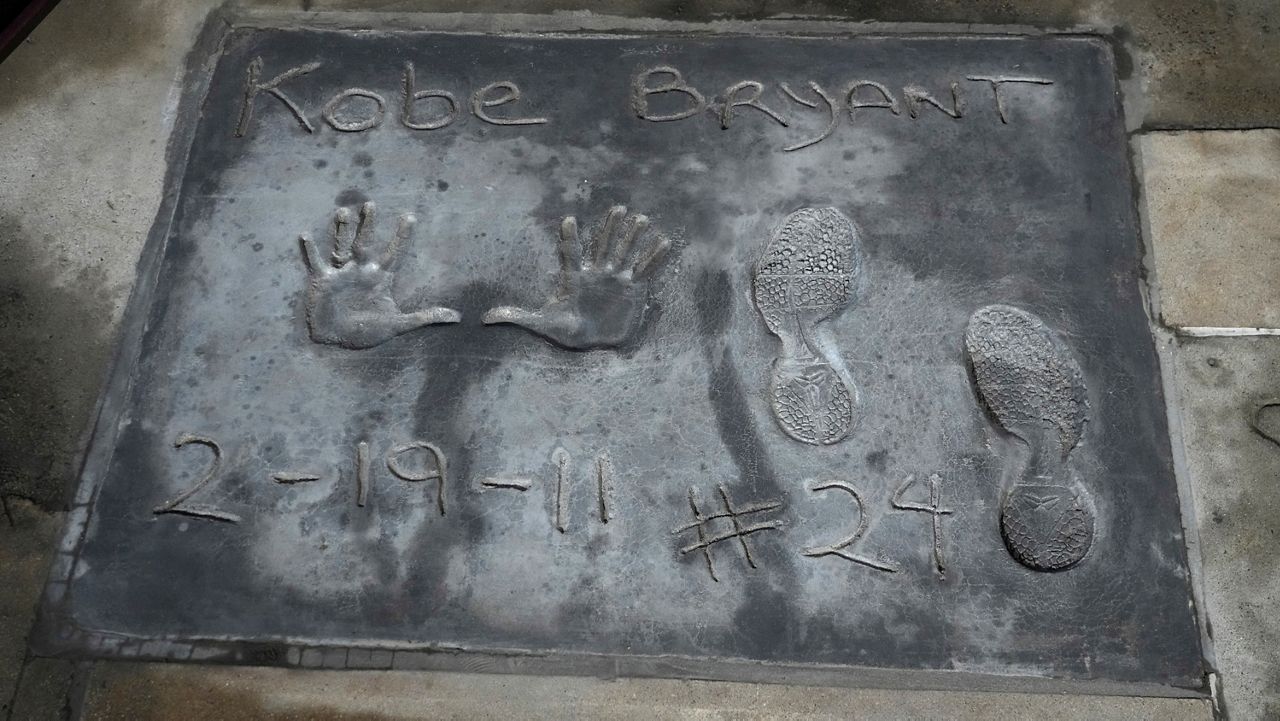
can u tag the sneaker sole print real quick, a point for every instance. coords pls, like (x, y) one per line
(1033, 387)
(806, 275)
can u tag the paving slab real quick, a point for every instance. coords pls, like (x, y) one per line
(59, 91)
(83, 124)
(141, 692)
(75, 208)
(776, 320)
(46, 691)
(1233, 459)
(1214, 222)
(27, 536)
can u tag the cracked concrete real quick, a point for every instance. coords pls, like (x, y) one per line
(85, 111)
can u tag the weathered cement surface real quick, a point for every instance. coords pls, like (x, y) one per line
(26, 544)
(230, 354)
(46, 690)
(1213, 211)
(143, 692)
(83, 121)
(83, 127)
(1235, 475)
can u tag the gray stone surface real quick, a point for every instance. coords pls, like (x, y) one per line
(84, 122)
(76, 207)
(143, 692)
(282, 362)
(46, 691)
(1214, 224)
(1235, 474)
(27, 536)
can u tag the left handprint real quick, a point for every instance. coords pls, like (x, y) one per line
(349, 300)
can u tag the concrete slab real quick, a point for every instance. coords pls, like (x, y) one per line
(142, 692)
(46, 690)
(26, 546)
(110, 66)
(1235, 476)
(270, 375)
(1213, 209)
(84, 119)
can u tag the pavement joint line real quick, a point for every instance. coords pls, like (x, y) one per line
(1156, 129)
(1224, 332)
(1174, 409)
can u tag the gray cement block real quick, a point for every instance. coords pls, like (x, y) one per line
(271, 375)
(1214, 217)
(86, 103)
(74, 211)
(1235, 478)
(143, 692)
(26, 548)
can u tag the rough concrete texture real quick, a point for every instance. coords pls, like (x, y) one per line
(83, 128)
(46, 690)
(140, 692)
(1213, 212)
(83, 124)
(1235, 474)
(27, 536)
(225, 356)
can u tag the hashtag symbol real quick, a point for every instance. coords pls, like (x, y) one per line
(738, 528)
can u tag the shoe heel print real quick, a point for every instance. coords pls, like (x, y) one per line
(1034, 388)
(806, 275)
(1046, 527)
(810, 401)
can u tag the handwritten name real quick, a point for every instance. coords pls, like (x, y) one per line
(357, 109)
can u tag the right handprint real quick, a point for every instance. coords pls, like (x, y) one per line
(601, 296)
(1031, 384)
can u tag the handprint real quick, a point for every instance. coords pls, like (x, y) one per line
(349, 301)
(601, 300)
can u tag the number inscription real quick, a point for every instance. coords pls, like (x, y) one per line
(176, 504)
(838, 548)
